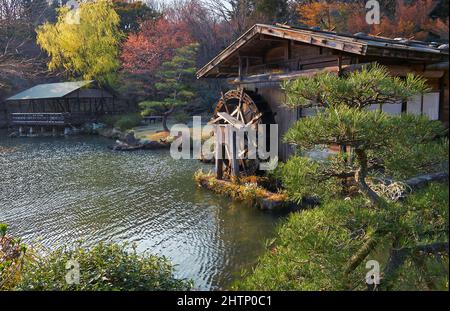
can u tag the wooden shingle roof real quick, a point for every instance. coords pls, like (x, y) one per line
(359, 44)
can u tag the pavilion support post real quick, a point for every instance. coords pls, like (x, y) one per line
(218, 152)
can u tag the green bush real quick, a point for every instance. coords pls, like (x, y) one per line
(123, 122)
(103, 267)
(312, 248)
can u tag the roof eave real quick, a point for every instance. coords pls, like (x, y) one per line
(310, 38)
(83, 83)
(228, 51)
(345, 44)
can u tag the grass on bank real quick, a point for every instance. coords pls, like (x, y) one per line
(154, 133)
(251, 189)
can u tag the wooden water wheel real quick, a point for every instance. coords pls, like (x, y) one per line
(240, 108)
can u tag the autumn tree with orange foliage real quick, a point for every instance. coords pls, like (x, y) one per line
(410, 20)
(144, 52)
(155, 43)
(399, 18)
(328, 15)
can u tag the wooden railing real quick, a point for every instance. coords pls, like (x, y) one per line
(152, 119)
(48, 118)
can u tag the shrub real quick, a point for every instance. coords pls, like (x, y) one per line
(123, 122)
(12, 253)
(102, 267)
(127, 122)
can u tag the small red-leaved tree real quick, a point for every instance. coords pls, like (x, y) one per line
(155, 43)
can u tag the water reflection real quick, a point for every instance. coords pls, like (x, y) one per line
(62, 190)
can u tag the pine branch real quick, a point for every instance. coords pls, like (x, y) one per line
(398, 257)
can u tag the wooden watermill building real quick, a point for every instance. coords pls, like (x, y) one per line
(59, 105)
(266, 55)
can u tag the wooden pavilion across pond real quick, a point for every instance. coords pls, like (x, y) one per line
(56, 105)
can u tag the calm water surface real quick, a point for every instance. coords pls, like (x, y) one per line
(59, 190)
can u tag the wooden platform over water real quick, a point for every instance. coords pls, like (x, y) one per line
(49, 119)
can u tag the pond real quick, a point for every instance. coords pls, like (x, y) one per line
(55, 191)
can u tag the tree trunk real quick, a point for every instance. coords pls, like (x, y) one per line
(359, 257)
(165, 116)
(360, 178)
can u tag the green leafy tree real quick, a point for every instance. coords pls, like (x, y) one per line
(88, 49)
(175, 85)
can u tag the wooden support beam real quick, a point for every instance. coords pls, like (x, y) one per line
(438, 66)
(271, 38)
(231, 120)
(316, 39)
(401, 71)
(264, 78)
(218, 150)
(233, 151)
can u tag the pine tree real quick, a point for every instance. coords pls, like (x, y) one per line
(175, 83)
(374, 137)
(272, 10)
(384, 148)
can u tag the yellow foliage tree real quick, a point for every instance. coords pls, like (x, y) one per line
(84, 43)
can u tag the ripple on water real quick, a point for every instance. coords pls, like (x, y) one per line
(62, 190)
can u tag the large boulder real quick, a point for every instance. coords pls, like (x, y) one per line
(130, 139)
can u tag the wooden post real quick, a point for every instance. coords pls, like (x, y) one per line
(233, 151)
(218, 152)
(247, 64)
(240, 68)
